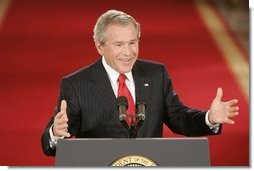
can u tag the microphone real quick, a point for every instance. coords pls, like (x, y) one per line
(122, 104)
(141, 105)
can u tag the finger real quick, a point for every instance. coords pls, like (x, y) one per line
(58, 132)
(232, 102)
(229, 121)
(65, 117)
(61, 121)
(234, 109)
(63, 107)
(66, 134)
(60, 118)
(219, 94)
(59, 115)
(233, 114)
(63, 133)
(61, 126)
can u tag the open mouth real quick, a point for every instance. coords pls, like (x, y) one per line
(125, 61)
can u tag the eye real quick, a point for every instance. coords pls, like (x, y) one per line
(119, 44)
(133, 43)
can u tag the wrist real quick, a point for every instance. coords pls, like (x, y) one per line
(207, 118)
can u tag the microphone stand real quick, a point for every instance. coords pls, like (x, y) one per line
(139, 124)
(124, 123)
(134, 127)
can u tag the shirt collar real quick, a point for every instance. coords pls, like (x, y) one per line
(114, 74)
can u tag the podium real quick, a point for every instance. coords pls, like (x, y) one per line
(102, 152)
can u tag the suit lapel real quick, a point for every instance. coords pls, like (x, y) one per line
(104, 94)
(143, 88)
(142, 84)
(102, 88)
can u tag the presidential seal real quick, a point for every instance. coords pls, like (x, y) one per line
(134, 160)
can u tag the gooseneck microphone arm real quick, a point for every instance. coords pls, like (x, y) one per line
(140, 118)
(122, 104)
(141, 106)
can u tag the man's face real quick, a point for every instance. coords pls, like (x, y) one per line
(120, 48)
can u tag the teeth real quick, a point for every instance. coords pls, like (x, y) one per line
(125, 60)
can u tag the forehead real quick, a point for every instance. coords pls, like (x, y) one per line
(117, 32)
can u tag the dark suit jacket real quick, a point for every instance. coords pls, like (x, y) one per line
(92, 105)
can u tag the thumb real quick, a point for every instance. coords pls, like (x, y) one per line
(63, 107)
(219, 94)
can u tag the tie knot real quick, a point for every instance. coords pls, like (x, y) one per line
(121, 78)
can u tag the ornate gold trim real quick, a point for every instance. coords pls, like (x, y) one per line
(134, 160)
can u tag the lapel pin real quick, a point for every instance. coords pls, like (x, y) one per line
(146, 84)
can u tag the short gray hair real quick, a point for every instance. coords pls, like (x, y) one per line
(112, 17)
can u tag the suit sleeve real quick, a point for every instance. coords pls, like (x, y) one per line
(180, 118)
(67, 92)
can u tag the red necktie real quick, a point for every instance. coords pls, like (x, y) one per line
(124, 91)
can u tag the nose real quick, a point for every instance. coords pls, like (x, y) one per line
(126, 49)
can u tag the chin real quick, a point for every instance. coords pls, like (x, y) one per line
(125, 70)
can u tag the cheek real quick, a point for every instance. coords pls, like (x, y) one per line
(109, 52)
(114, 52)
(135, 50)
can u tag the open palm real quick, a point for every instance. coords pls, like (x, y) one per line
(221, 112)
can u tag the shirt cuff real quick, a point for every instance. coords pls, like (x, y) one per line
(214, 127)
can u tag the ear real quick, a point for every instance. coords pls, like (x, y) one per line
(99, 48)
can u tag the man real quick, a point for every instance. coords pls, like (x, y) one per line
(87, 105)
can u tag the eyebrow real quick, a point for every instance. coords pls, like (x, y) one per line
(133, 40)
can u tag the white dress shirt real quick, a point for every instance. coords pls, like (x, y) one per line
(113, 76)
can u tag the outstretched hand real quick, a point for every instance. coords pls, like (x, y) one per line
(222, 112)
